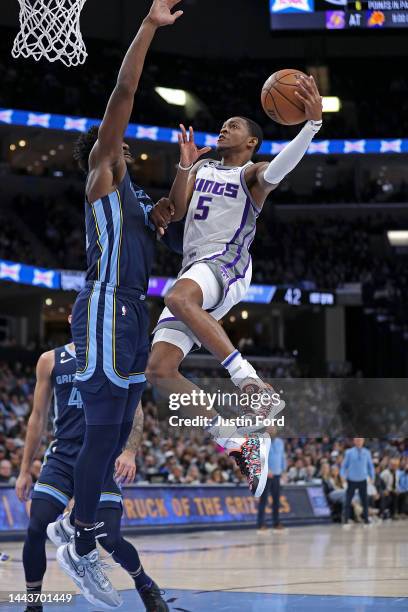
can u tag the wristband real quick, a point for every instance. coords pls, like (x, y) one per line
(183, 168)
(315, 125)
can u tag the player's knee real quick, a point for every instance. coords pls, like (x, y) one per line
(157, 370)
(37, 528)
(178, 301)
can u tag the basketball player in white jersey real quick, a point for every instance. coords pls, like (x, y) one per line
(223, 200)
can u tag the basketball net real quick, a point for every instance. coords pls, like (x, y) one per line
(51, 29)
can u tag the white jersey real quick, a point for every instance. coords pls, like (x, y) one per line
(221, 219)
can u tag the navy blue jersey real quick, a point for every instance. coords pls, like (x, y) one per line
(120, 241)
(69, 420)
(173, 237)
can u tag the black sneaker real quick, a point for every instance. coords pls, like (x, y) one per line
(152, 598)
(252, 460)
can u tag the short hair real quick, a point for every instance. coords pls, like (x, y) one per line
(84, 146)
(254, 130)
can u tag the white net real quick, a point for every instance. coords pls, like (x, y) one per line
(51, 29)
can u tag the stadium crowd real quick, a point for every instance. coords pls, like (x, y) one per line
(190, 457)
(323, 252)
(224, 88)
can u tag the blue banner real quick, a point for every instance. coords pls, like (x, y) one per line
(29, 275)
(360, 146)
(151, 505)
(72, 280)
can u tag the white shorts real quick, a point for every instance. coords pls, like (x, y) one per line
(212, 291)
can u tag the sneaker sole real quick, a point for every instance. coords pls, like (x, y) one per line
(85, 592)
(264, 467)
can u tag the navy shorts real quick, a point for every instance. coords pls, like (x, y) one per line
(110, 330)
(56, 480)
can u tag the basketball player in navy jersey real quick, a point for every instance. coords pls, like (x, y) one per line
(54, 488)
(222, 201)
(110, 318)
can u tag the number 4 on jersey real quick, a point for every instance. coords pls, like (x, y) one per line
(75, 399)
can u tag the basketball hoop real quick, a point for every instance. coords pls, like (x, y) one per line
(51, 29)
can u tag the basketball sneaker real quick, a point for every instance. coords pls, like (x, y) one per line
(252, 460)
(152, 598)
(270, 405)
(61, 531)
(87, 573)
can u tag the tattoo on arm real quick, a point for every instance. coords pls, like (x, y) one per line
(136, 434)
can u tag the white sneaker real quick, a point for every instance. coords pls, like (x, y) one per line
(61, 531)
(87, 573)
(346, 526)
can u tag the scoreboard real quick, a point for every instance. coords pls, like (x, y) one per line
(338, 14)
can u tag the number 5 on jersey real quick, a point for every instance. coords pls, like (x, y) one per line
(75, 399)
(201, 206)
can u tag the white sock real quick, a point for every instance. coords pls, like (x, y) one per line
(230, 443)
(225, 435)
(238, 368)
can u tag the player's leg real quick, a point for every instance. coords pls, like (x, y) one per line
(195, 292)
(104, 415)
(170, 346)
(42, 512)
(199, 290)
(124, 553)
(50, 497)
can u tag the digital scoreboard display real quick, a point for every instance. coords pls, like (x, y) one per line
(338, 14)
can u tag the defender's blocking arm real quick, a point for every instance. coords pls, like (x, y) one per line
(107, 159)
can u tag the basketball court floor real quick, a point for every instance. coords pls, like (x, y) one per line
(313, 569)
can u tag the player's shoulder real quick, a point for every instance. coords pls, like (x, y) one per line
(46, 362)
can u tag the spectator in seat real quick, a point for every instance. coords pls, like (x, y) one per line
(390, 477)
(297, 473)
(6, 473)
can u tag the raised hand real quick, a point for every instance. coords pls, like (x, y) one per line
(309, 95)
(160, 12)
(189, 153)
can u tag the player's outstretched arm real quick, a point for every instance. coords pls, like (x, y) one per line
(263, 178)
(125, 465)
(36, 422)
(107, 151)
(183, 185)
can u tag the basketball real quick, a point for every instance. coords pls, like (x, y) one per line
(278, 97)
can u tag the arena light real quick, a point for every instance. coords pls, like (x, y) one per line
(178, 97)
(331, 104)
(398, 238)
